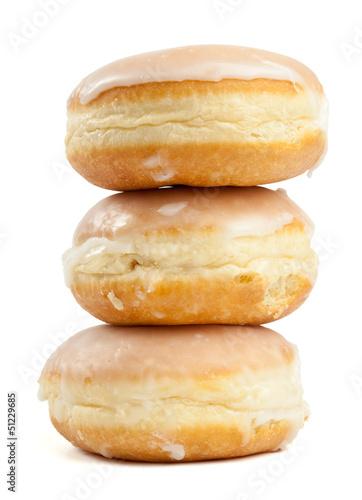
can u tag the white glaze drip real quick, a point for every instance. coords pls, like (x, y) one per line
(115, 301)
(172, 208)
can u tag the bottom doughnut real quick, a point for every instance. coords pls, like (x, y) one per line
(169, 394)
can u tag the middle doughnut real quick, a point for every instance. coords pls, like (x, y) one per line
(192, 256)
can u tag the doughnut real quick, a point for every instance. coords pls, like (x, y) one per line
(183, 255)
(209, 115)
(175, 393)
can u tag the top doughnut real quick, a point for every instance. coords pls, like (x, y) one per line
(208, 115)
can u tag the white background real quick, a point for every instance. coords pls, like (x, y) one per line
(42, 200)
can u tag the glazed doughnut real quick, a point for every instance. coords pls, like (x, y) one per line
(175, 393)
(209, 115)
(185, 255)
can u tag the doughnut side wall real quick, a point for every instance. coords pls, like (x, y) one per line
(178, 256)
(197, 133)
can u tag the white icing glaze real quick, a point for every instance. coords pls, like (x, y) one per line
(153, 161)
(176, 451)
(104, 451)
(41, 394)
(172, 208)
(162, 175)
(80, 435)
(322, 114)
(117, 303)
(296, 420)
(200, 62)
(244, 347)
(140, 295)
(158, 314)
(188, 258)
(232, 211)
(59, 410)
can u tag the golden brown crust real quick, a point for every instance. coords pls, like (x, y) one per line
(175, 90)
(186, 300)
(204, 165)
(199, 442)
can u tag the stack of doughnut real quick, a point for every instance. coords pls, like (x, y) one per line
(190, 257)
